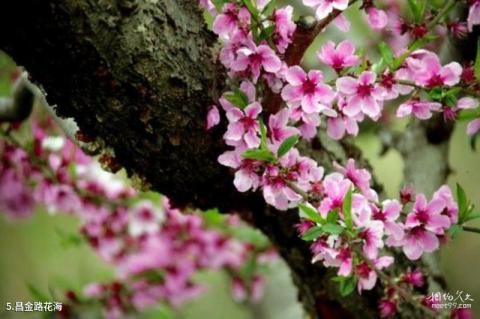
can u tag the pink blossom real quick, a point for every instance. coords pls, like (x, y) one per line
(324, 7)
(343, 56)
(414, 278)
(473, 127)
(342, 23)
(15, 199)
(470, 103)
(275, 190)
(390, 86)
(387, 308)
(243, 126)
(307, 89)
(145, 219)
(278, 128)
(428, 215)
(451, 208)
(338, 125)
(372, 237)
(284, 27)
(427, 70)
(473, 14)
(377, 19)
(367, 277)
(418, 240)
(388, 215)
(360, 177)
(307, 123)
(213, 117)
(421, 109)
(335, 187)
(362, 94)
(230, 20)
(255, 58)
(246, 176)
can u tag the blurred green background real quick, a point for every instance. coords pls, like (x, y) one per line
(32, 252)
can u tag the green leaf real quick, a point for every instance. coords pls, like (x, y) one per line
(212, 217)
(333, 229)
(471, 216)
(454, 231)
(332, 216)
(286, 145)
(312, 233)
(477, 61)
(259, 155)
(347, 209)
(251, 7)
(237, 98)
(473, 141)
(311, 213)
(263, 135)
(269, 8)
(267, 32)
(347, 286)
(250, 235)
(69, 239)
(418, 8)
(378, 66)
(467, 115)
(462, 203)
(387, 53)
(37, 294)
(417, 44)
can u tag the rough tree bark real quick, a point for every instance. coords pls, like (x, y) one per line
(138, 76)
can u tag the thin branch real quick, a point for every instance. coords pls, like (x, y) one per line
(306, 32)
(400, 290)
(471, 229)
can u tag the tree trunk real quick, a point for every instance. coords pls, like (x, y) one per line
(138, 77)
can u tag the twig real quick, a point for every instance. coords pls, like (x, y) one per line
(471, 229)
(388, 280)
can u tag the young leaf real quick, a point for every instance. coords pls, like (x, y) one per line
(312, 233)
(37, 294)
(333, 229)
(237, 98)
(259, 155)
(477, 61)
(417, 7)
(286, 145)
(462, 203)
(332, 216)
(251, 7)
(267, 32)
(347, 286)
(471, 216)
(347, 209)
(268, 8)
(263, 135)
(387, 53)
(454, 231)
(311, 213)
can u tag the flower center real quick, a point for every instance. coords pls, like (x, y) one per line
(422, 216)
(364, 90)
(308, 87)
(435, 80)
(247, 122)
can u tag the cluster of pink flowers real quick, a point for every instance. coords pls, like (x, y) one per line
(155, 249)
(264, 157)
